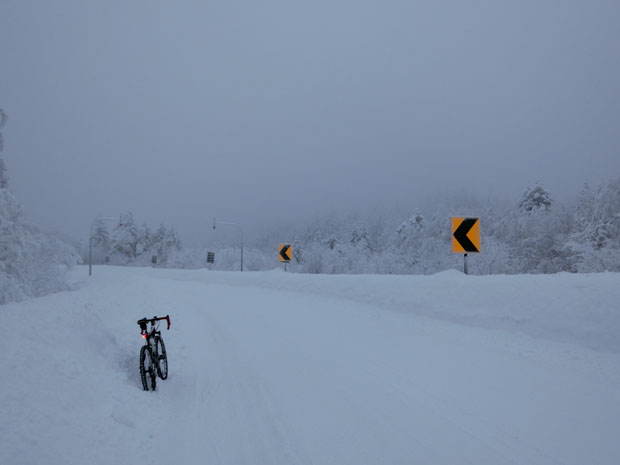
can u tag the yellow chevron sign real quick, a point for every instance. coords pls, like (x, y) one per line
(465, 235)
(285, 252)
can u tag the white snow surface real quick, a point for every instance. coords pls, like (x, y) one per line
(279, 368)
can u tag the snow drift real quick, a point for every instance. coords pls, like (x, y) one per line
(270, 367)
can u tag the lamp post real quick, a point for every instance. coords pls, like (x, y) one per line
(240, 231)
(90, 241)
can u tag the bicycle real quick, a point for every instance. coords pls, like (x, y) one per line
(153, 359)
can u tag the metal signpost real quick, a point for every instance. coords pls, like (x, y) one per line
(465, 237)
(285, 253)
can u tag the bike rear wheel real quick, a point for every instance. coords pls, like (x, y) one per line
(162, 366)
(147, 369)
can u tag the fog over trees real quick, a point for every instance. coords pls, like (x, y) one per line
(533, 235)
(128, 243)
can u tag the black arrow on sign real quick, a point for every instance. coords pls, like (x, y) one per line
(283, 251)
(461, 234)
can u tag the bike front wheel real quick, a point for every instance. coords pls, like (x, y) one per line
(147, 369)
(162, 366)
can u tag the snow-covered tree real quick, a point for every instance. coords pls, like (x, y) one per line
(538, 238)
(165, 242)
(409, 238)
(32, 263)
(124, 240)
(4, 179)
(298, 255)
(145, 240)
(596, 234)
(535, 198)
(133, 244)
(100, 241)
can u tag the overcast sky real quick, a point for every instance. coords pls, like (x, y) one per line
(261, 112)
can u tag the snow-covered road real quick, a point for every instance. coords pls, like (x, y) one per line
(272, 368)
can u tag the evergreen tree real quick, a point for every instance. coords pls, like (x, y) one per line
(535, 198)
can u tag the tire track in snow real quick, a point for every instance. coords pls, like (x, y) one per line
(229, 417)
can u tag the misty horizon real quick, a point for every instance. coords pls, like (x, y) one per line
(276, 114)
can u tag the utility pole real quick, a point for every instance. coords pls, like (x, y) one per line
(240, 231)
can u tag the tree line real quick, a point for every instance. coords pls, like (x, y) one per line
(130, 243)
(532, 236)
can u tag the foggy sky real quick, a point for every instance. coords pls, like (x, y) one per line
(264, 112)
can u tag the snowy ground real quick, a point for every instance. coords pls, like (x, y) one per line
(275, 368)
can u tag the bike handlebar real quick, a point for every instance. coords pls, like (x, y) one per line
(144, 321)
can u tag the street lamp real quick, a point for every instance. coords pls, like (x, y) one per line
(240, 230)
(90, 241)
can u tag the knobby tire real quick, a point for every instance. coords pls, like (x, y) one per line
(162, 366)
(147, 369)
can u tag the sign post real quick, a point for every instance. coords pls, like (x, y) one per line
(285, 253)
(210, 258)
(465, 238)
